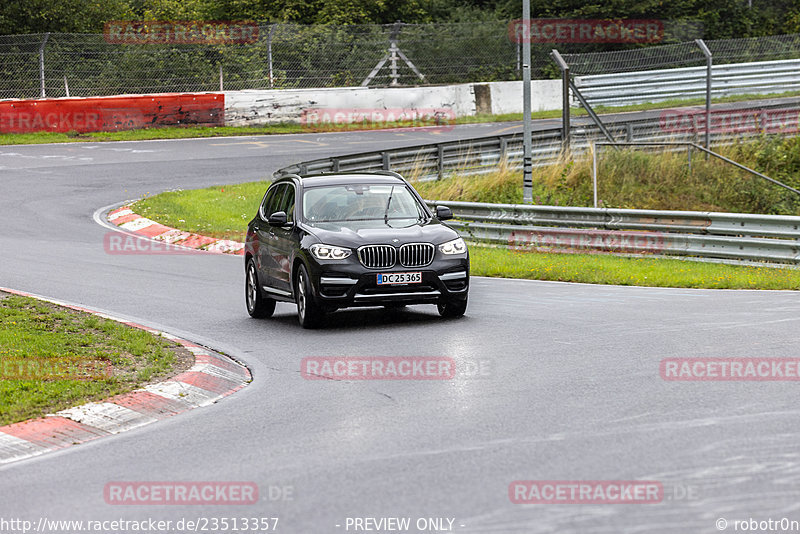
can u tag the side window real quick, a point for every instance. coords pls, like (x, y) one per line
(288, 203)
(274, 197)
(265, 203)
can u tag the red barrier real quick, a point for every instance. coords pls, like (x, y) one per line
(112, 113)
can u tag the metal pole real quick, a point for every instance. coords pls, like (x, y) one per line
(527, 148)
(594, 172)
(42, 91)
(66, 86)
(269, 54)
(220, 79)
(707, 53)
(565, 126)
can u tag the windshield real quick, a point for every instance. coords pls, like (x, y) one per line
(360, 202)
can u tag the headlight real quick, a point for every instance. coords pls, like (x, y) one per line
(329, 252)
(456, 246)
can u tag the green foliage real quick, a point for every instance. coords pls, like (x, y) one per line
(722, 18)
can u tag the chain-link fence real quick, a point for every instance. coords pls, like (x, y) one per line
(301, 56)
(687, 54)
(283, 56)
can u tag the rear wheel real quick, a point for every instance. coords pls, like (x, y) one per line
(309, 313)
(452, 308)
(257, 305)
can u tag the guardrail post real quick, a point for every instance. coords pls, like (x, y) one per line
(385, 158)
(594, 171)
(439, 161)
(335, 162)
(706, 52)
(303, 168)
(503, 148)
(629, 132)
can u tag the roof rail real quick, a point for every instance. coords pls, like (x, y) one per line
(390, 173)
(290, 175)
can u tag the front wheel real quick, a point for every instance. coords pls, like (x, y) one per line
(309, 313)
(258, 306)
(452, 308)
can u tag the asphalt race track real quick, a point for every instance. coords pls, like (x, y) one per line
(569, 387)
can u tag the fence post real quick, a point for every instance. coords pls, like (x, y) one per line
(565, 127)
(269, 54)
(702, 45)
(221, 87)
(42, 91)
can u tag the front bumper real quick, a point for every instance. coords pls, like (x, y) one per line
(347, 284)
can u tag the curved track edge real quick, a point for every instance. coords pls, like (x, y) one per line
(213, 377)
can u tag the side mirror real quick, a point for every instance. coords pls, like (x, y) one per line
(443, 213)
(277, 219)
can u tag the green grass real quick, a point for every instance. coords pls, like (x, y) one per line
(221, 211)
(34, 333)
(176, 132)
(627, 271)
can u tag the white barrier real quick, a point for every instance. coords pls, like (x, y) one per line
(259, 107)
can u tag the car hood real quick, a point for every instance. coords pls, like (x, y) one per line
(376, 232)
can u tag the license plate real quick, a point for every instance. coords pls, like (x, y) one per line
(399, 278)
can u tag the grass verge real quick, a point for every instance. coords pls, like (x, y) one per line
(53, 358)
(223, 212)
(175, 132)
(627, 271)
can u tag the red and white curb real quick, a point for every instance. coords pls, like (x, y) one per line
(212, 378)
(126, 219)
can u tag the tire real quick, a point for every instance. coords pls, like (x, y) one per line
(452, 308)
(309, 313)
(258, 306)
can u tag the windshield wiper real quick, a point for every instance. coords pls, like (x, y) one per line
(386, 215)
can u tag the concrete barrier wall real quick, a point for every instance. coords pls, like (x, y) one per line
(507, 96)
(104, 114)
(261, 107)
(258, 107)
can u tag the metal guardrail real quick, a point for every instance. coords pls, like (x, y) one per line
(483, 154)
(716, 236)
(711, 235)
(622, 89)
